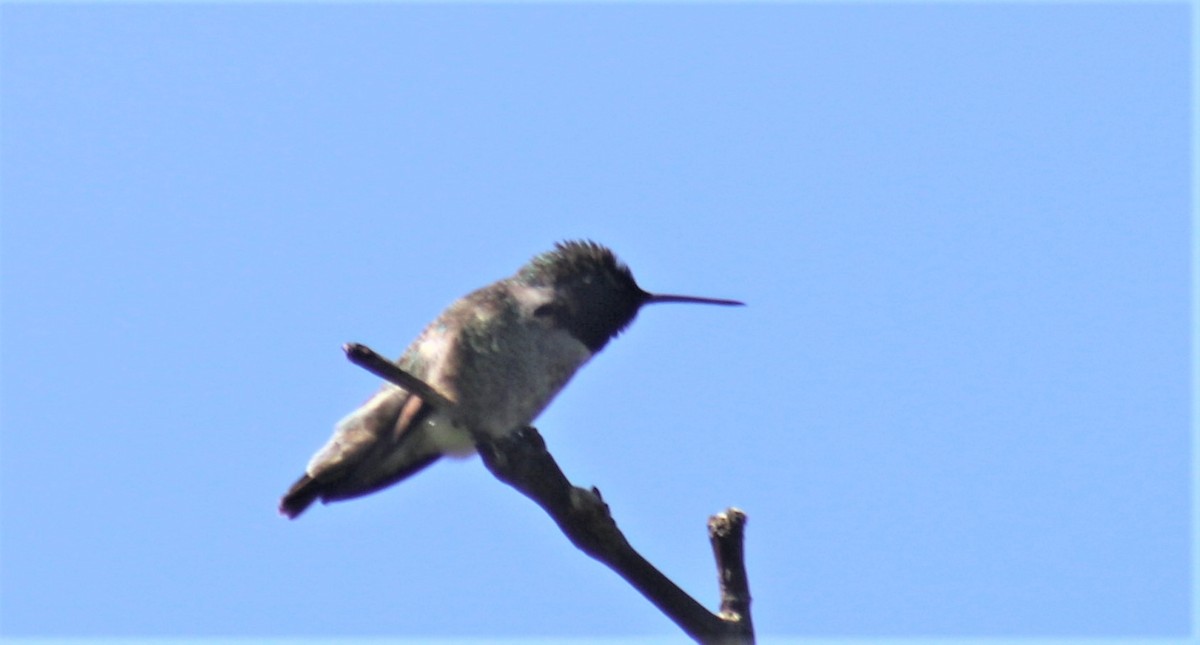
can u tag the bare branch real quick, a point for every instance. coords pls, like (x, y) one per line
(727, 532)
(368, 359)
(522, 461)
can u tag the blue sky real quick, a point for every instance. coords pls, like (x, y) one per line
(957, 404)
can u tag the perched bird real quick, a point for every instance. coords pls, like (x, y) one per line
(501, 353)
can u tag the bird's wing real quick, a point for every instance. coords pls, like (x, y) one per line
(360, 433)
(380, 443)
(369, 450)
(389, 415)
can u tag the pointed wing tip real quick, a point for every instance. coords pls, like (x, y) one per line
(299, 497)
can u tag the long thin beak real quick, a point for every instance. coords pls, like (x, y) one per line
(662, 297)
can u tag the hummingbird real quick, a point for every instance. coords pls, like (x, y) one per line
(501, 353)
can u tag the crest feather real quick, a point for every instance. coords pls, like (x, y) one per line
(576, 261)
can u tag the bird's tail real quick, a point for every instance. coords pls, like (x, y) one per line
(299, 497)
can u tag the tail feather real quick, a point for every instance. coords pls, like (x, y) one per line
(299, 497)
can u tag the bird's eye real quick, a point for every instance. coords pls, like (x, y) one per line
(544, 311)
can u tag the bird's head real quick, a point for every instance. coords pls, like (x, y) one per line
(594, 295)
